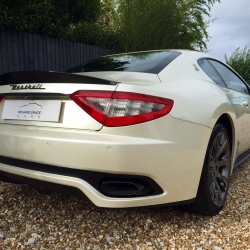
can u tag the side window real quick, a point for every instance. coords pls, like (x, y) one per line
(230, 78)
(211, 72)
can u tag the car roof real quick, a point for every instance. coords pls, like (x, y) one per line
(185, 52)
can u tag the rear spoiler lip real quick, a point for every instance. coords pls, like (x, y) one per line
(45, 77)
(32, 94)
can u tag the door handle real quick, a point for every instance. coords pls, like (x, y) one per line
(245, 103)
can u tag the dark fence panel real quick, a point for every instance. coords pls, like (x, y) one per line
(27, 51)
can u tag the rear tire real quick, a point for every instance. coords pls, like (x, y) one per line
(214, 182)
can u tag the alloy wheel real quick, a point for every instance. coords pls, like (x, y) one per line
(219, 168)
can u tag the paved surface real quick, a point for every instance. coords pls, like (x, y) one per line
(32, 218)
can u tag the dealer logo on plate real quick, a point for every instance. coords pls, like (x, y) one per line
(32, 109)
(37, 110)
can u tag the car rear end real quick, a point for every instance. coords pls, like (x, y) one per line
(114, 141)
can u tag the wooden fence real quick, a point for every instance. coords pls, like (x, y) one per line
(27, 51)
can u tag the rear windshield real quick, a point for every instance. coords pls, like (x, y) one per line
(147, 62)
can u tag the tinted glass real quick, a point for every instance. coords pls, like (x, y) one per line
(230, 78)
(211, 72)
(147, 62)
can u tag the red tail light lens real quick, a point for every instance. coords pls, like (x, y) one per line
(114, 109)
(1, 98)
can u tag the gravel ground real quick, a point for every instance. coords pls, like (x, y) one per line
(32, 218)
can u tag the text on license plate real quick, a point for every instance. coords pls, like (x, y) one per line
(37, 110)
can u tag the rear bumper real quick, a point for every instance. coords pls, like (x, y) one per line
(71, 190)
(171, 156)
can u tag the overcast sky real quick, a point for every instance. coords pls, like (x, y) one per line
(232, 28)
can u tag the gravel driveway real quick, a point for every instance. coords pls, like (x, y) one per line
(32, 218)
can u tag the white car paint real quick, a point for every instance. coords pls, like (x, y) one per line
(170, 150)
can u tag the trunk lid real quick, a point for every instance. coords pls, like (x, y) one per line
(135, 78)
(42, 99)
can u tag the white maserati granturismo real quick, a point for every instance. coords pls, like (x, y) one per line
(138, 129)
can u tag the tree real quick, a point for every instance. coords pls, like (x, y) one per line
(119, 25)
(83, 10)
(240, 62)
(99, 31)
(48, 17)
(175, 24)
(40, 16)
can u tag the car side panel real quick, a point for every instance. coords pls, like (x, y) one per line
(197, 101)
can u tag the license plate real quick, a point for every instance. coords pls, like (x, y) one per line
(32, 110)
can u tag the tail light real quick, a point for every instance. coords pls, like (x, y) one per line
(114, 109)
(1, 97)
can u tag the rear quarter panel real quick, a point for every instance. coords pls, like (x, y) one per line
(197, 101)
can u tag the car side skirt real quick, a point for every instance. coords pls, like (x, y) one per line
(241, 158)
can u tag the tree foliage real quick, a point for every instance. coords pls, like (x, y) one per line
(240, 62)
(99, 32)
(147, 24)
(83, 11)
(40, 16)
(48, 17)
(120, 25)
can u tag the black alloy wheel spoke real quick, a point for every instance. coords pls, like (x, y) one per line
(212, 165)
(216, 195)
(219, 193)
(223, 182)
(219, 169)
(221, 143)
(212, 189)
(223, 162)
